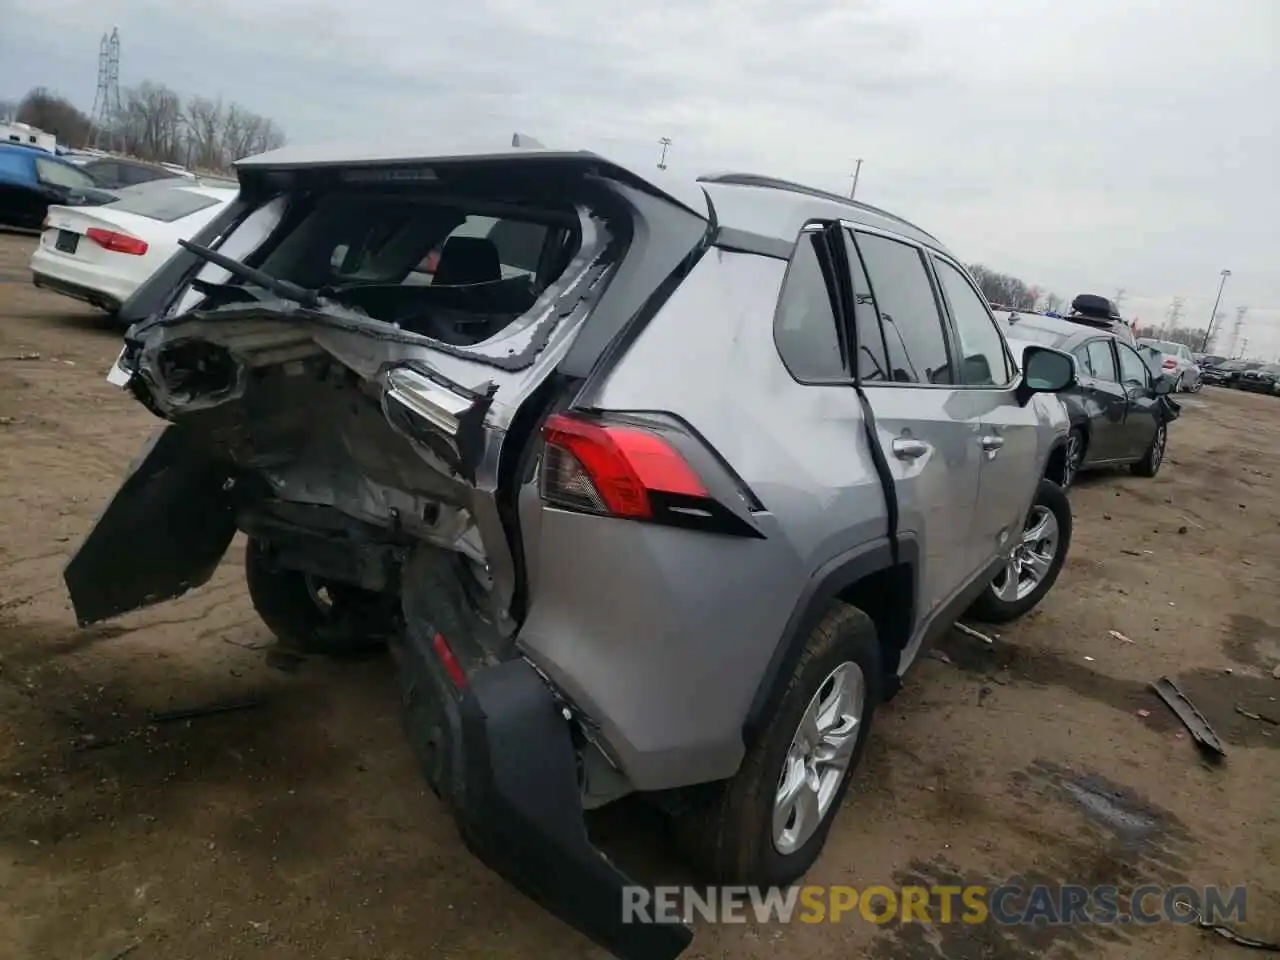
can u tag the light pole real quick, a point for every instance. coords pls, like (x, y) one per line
(1213, 315)
(857, 169)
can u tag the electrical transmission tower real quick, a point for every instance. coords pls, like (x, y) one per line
(106, 103)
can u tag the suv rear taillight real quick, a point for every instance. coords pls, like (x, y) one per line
(1170, 363)
(117, 242)
(611, 469)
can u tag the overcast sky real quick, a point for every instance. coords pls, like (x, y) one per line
(1087, 145)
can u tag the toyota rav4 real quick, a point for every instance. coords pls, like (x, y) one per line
(651, 488)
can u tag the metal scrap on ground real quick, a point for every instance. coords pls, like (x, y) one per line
(1191, 718)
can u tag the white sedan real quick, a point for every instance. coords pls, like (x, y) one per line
(100, 255)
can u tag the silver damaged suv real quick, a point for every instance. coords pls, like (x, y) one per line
(652, 488)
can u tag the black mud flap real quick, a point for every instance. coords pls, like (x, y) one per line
(163, 533)
(520, 813)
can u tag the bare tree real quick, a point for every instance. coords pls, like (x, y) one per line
(8, 111)
(1052, 303)
(205, 120)
(1006, 290)
(151, 123)
(154, 124)
(1118, 297)
(1173, 316)
(54, 113)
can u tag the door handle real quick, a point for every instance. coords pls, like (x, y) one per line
(907, 448)
(991, 445)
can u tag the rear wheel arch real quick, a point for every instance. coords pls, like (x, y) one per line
(865, 577)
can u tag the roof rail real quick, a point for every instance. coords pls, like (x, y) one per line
(775, 183)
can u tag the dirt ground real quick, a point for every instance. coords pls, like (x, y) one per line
(301, 828)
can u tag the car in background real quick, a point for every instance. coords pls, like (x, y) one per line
(31, 180)
(101, 255)
(1264, 378)
(1206, 360)
(1227, 373)
(115, 173)
(1178, 362)
(1120, 410)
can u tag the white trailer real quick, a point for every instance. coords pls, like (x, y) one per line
(28, 135)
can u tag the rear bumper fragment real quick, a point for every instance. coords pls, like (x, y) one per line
(501, 752)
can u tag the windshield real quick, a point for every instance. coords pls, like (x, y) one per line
(165, 205)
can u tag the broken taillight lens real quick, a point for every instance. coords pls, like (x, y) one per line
(611, 469)
(117, 242)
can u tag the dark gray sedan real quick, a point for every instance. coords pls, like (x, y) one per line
(1120, 410)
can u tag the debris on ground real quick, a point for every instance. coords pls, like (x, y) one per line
(970, 632)
(1191, 718)
(208, 710)
(1262, 718)
(1117, 635)
(248, 645)
(939, 655)
(1144, 714)
(1132, 553)
(22, 356)
(119, 952)
(1221, 929)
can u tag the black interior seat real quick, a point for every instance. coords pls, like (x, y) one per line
(467, 260)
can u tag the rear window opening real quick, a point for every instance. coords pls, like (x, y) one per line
(458, 270)
(167, 204)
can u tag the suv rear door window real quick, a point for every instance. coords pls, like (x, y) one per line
(1102, 363)
(804, 327)
(983, 362)
(913, 329)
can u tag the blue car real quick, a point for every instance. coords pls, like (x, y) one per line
(32, 179)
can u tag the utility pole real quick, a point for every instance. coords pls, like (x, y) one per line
(1213, 314)
(1118, 298)
(665, 143)
(857, 169)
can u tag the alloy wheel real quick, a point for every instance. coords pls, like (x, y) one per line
(818, 758)
(1032, 557)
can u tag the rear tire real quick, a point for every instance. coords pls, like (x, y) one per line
(1050, 514)
(1149, 465)
(313, 616)
(748, 830)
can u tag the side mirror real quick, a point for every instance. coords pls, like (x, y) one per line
(1045, 370)
(1164, 385)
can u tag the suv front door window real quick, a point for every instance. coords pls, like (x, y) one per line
(926, 426)
(983, 360)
